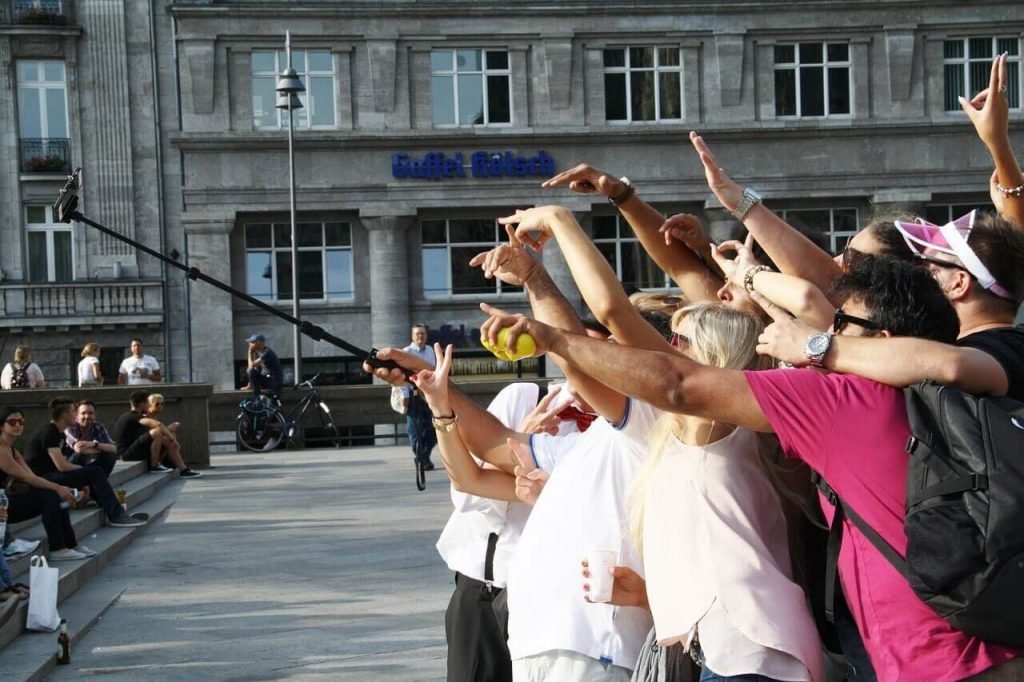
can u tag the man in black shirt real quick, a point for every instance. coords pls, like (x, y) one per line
(45, 456)
(141, 439)
(264, 368)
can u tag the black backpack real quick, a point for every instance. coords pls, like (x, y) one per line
(19, 377)
(964, 512)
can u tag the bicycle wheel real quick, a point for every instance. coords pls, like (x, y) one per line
(421, 475)
(321, 430)
(261, 432)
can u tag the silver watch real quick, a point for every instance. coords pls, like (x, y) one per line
(817, 346)
(750, 197)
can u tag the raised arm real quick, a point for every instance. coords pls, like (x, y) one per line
(467, 476)
(685, 268)
(896, 361)
(791, 251)
(988, 111)
(669, 381)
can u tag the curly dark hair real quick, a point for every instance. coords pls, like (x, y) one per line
(902, 298)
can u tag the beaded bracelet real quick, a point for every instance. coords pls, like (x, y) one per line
(748, 277)
(1017, 191)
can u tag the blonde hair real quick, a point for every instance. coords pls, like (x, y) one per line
(22, 354)
(90, 348)
(720, 337)
(657, 302)
(155, 398)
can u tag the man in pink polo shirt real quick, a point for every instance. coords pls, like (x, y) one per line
(851, 430)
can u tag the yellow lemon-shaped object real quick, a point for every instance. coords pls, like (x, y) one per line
(525, 346)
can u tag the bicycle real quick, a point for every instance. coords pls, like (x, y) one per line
(262, 425)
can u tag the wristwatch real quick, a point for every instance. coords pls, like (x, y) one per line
(817, 346)
(630, 190)
(750, 197)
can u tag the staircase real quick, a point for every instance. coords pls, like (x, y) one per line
(28, 655)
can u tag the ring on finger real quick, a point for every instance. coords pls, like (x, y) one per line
(1002, 89)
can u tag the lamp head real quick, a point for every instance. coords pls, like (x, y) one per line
(282, 101)
(288, 81)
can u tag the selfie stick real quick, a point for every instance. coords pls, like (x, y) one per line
(66, 209)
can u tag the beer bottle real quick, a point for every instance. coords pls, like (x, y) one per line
(63, 644)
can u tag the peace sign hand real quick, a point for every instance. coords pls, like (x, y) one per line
(989, 109)
(785, 337)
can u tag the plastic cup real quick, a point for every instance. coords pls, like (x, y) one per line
(600, 563)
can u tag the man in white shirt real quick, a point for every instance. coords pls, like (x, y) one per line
(422, 438)
(138, 368)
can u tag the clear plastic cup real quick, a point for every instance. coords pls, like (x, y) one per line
(600, 562)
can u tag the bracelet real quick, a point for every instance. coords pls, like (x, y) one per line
(629, 191)
(1017, 191)
(748, 277)
(445, 424)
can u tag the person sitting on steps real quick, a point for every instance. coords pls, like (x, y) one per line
(142, 438)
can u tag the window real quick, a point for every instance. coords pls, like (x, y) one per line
(448, 246)
(43, 116)
(325, 261)
(643, 84)
(50, 246)
(470, 87)
(837, 224)
(623, 251)
(812, 80)
(940, 214)
(967, 64)
(316, 71)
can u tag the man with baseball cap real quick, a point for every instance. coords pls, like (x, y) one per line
(976, 260)
(264, 367)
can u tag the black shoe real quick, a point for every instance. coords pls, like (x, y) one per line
(122, 520)
(189, 473)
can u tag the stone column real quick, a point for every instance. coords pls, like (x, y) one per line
(389, 278)
(721, 225)
(896, 201)
(208, 247)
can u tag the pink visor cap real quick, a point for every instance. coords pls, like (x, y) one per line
(951, 239)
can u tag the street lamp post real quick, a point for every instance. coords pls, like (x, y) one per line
(288, 85)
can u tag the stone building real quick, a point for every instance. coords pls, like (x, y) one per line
(422, 121)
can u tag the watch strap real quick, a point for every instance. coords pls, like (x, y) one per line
(628, 191)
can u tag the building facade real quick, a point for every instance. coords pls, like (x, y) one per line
(424, 121)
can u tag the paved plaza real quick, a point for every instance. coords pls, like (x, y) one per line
(300, 565)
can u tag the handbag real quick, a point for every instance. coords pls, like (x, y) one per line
(398, 400)
(42, 601)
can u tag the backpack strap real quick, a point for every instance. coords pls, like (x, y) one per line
(835, 541)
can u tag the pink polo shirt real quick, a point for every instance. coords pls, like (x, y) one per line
(853, 431)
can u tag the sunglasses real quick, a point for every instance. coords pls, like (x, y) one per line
(679, 340)
(16, 421)
(938, 262)
(841, 319)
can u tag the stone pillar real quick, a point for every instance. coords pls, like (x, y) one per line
(208, 247)
(721, 225)
(389, 278)
(896, 201)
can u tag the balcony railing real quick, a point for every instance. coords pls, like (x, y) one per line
(40, 12)
(45, 155)
(80, 302)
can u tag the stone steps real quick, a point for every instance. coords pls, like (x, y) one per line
(28, 655)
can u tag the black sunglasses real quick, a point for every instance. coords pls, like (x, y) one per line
(841, 319)
(949, 265)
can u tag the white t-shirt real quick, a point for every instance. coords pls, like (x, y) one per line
(85, 376)
(35, 375)
(716, 559)
(583, 506)
(131, 366)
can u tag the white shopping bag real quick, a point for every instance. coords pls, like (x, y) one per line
(42, 602)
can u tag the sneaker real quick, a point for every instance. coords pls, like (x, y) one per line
(82, 549)
(122, 520)
(67, 555)
(190, 473)
(19, 546)
(161, 469)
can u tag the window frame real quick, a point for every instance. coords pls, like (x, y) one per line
(953, 209)
(273, 250)
(625, 235)
(501, 289)
(950, 103)
(837, 238)
(485, 72)
(49, 228)
(656, 69)
(825, 64)
(303, 116)
(41, 86)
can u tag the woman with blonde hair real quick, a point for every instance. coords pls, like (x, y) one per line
(22, 373)
(710, 526)
(89, 368)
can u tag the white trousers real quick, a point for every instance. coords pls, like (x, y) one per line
(561, 665)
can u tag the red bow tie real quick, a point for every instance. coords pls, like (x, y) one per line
(583, 419)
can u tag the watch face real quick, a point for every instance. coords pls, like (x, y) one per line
(752, 194)
(818, 344)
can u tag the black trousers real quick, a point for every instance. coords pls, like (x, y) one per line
(99, 486)
(477, 651)
(37, 502)
(104, 460)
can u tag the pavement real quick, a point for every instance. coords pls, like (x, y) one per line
(296, 565)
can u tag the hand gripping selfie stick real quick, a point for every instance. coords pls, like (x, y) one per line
(66, 209)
